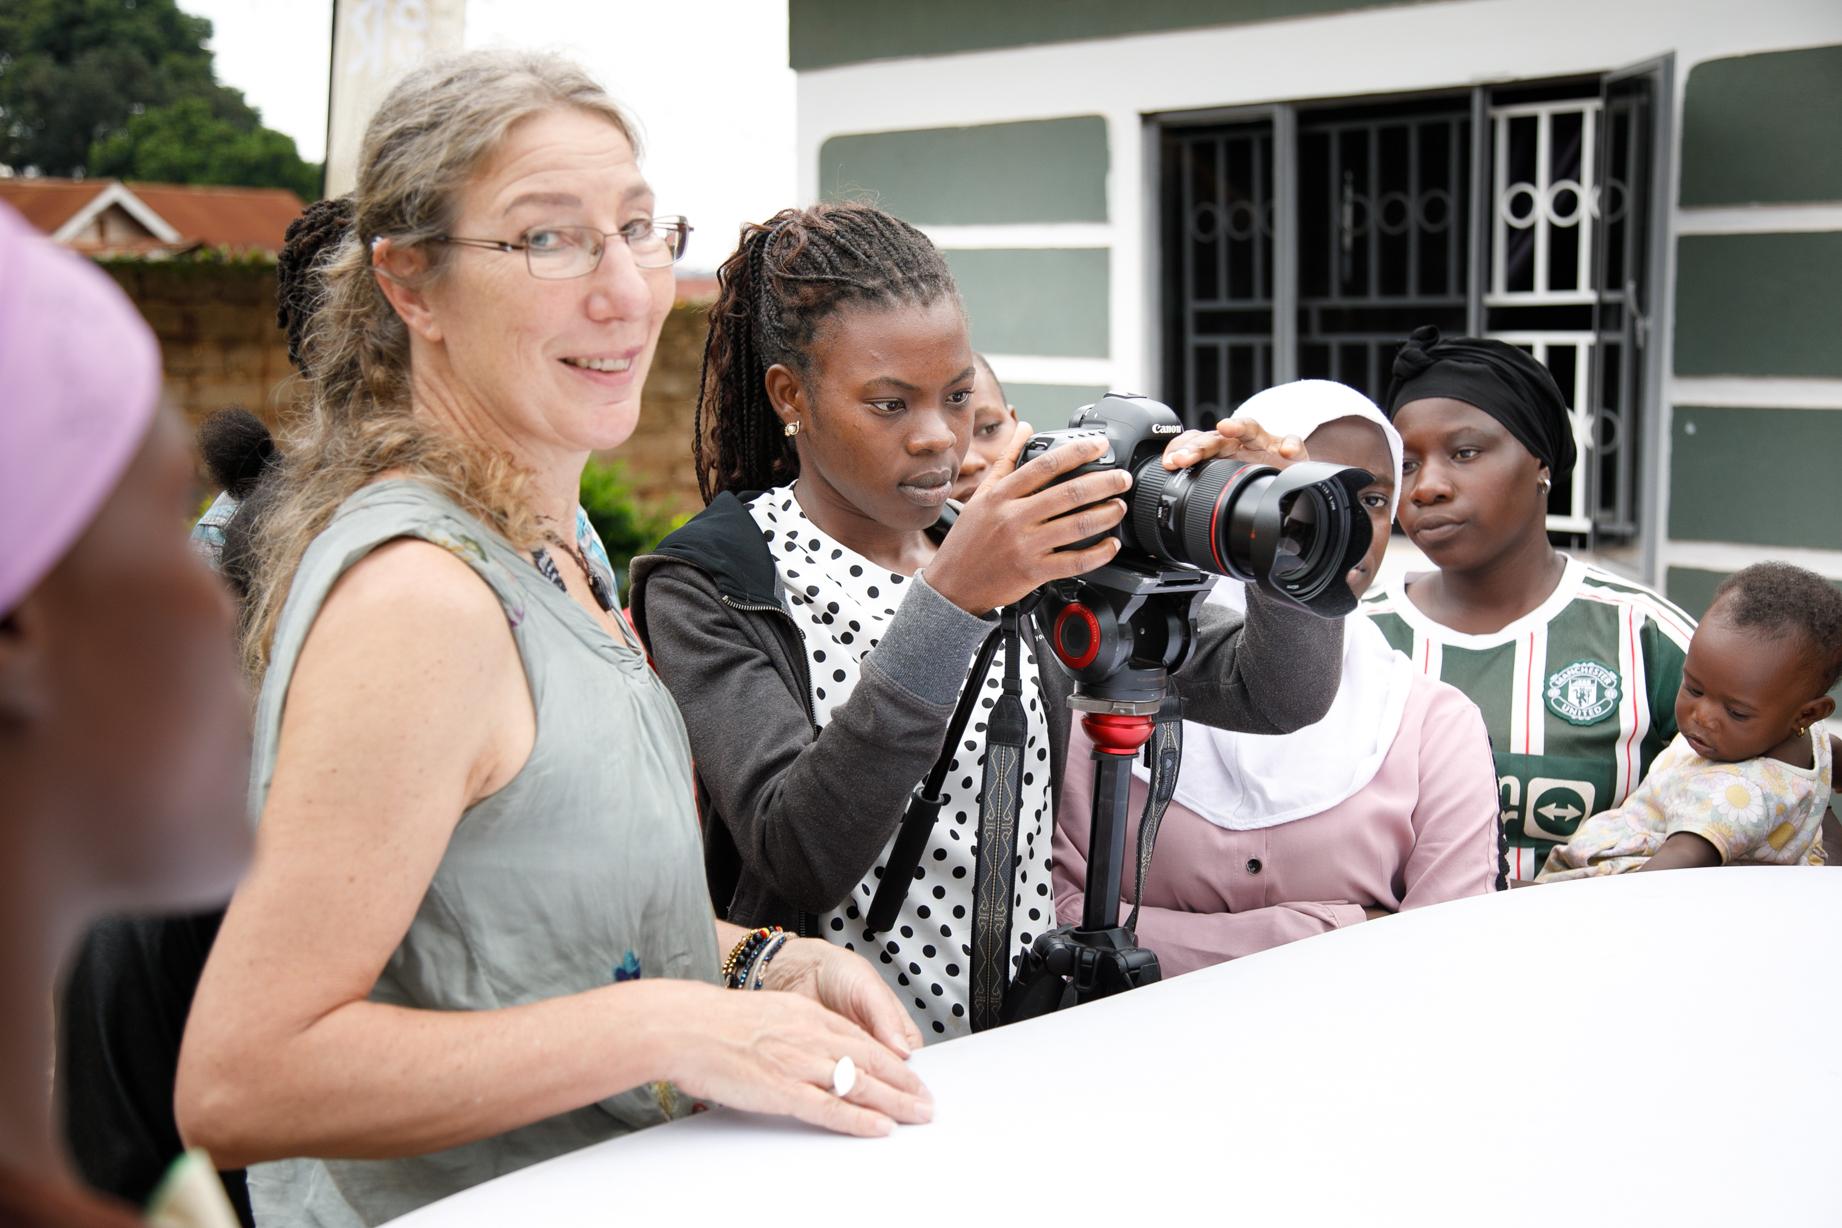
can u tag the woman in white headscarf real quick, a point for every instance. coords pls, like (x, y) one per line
(1389, 802)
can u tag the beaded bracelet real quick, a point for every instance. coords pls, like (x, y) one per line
(756, 977)
(742, 955)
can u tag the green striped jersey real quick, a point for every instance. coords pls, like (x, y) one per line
(1579, 695)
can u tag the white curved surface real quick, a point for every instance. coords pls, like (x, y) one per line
(1676, 1065)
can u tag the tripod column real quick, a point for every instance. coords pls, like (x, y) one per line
(1117, 740)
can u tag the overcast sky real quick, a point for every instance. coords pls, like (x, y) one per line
(707, 79)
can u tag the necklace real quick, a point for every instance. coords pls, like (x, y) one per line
(597, 585)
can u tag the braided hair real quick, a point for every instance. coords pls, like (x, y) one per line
(786, 278)
(313, 236)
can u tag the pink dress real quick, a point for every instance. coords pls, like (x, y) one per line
(1423, 831)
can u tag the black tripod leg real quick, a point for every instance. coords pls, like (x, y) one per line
(1040, 988)
(1106, 849)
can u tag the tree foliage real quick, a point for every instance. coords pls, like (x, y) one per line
(626, 524)
(186, 142)
(85, 78)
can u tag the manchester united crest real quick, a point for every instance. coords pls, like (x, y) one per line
(1583, 693)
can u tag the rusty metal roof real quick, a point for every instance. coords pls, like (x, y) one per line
(244, 218)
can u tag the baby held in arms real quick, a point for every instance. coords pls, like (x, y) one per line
(1748, 779)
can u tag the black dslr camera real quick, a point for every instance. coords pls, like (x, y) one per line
(1294, 532)
(1122, 628)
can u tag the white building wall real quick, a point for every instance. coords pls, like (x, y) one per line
(1455, 44)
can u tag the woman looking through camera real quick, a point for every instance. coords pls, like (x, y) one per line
(476, 935)
(816, 621)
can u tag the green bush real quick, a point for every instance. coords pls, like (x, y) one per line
(627, 524)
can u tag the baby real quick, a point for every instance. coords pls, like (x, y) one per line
(1748, 779)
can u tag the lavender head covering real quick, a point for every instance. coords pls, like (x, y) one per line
(79, 380)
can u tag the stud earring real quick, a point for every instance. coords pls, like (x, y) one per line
(1802, 729)
(1545, 485)
(791, 429)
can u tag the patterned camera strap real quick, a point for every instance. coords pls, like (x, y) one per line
(997, 858)
(1163, 754)
(923, 809)
(1006, 732)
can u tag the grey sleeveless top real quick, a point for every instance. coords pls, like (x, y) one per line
(585, 869)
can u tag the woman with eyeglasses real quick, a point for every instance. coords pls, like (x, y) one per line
(477, 933)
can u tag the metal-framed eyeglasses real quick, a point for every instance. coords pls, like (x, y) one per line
(558, 253)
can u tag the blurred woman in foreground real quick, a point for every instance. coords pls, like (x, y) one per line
(123, 723)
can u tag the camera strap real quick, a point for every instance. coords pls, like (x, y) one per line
(904, 864)
(1006, 732)
(1163, 755)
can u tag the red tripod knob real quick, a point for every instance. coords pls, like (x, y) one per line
(1077, 636)
(1113, 734)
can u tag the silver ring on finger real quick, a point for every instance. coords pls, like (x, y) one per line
(843, 1076)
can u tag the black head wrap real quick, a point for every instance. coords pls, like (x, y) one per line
(1496, 377)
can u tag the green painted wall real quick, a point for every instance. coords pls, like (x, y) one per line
(1764, 128)
(1051, 170)
(823, 33)
(1051, 301)
(1047, 406)
(1723, 461)
(1692, 588)
(1759, 304)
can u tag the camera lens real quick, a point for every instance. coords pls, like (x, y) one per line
(1300, 542)
(1294, 532)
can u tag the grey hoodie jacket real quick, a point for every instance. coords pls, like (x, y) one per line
(793, 819)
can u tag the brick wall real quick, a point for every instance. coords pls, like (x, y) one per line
(217, 331)
(216, 325)
(658, 457)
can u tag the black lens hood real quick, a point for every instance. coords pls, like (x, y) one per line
(1324, 589)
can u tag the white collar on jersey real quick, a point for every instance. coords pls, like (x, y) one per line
(1565, 590)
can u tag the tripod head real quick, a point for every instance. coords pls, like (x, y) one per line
(1121, 629)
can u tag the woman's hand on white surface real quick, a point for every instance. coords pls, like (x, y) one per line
(845, 982)
(772, 1052)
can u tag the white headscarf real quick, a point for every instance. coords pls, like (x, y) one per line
(1245, 782)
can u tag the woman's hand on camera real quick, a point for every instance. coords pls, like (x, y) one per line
(774, 1052)
(1010, 537)
(836, 978)
(1240, 439)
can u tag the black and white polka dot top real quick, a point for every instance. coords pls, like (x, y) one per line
(842, 604)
